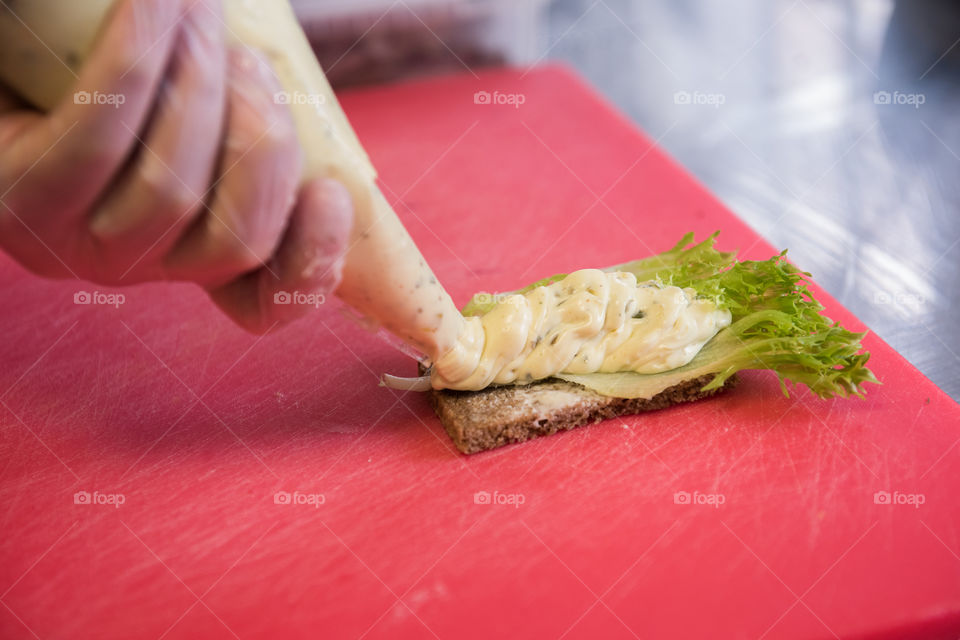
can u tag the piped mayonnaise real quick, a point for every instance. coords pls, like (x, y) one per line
(591, 321)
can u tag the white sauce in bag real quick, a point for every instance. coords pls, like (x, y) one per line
(385, 276)
(590, 321)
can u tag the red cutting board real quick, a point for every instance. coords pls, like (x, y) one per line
(195, 426)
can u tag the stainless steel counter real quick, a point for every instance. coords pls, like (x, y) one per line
(832, 127)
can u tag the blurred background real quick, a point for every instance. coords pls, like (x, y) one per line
(832, 127)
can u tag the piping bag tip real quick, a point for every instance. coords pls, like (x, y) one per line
(420, 383)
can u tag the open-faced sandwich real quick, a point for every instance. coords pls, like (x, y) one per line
(593, 344)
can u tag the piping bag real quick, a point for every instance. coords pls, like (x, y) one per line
(385, 277)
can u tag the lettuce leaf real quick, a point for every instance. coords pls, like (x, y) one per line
(776, 325)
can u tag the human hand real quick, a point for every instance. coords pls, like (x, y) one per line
(171, 160)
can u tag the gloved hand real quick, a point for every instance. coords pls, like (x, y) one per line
(171, 160)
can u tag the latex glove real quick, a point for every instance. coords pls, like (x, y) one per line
(172, 160)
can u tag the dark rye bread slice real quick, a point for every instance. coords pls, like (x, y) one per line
(497, 416)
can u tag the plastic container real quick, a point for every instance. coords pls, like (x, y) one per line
(365, 41)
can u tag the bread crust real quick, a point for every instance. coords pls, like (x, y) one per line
(497, 416)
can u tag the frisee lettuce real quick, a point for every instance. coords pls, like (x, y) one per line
(776, 324)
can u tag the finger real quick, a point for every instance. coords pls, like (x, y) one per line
(260, 172)
(306, 268)
(163, 189)
(67, 159)
(15, 116)
(9, 101)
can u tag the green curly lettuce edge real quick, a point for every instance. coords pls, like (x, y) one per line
(776, 325)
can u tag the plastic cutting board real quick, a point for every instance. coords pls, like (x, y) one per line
(270, 488)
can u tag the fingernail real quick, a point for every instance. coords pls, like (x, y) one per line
(254, 80)
(249, 62)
